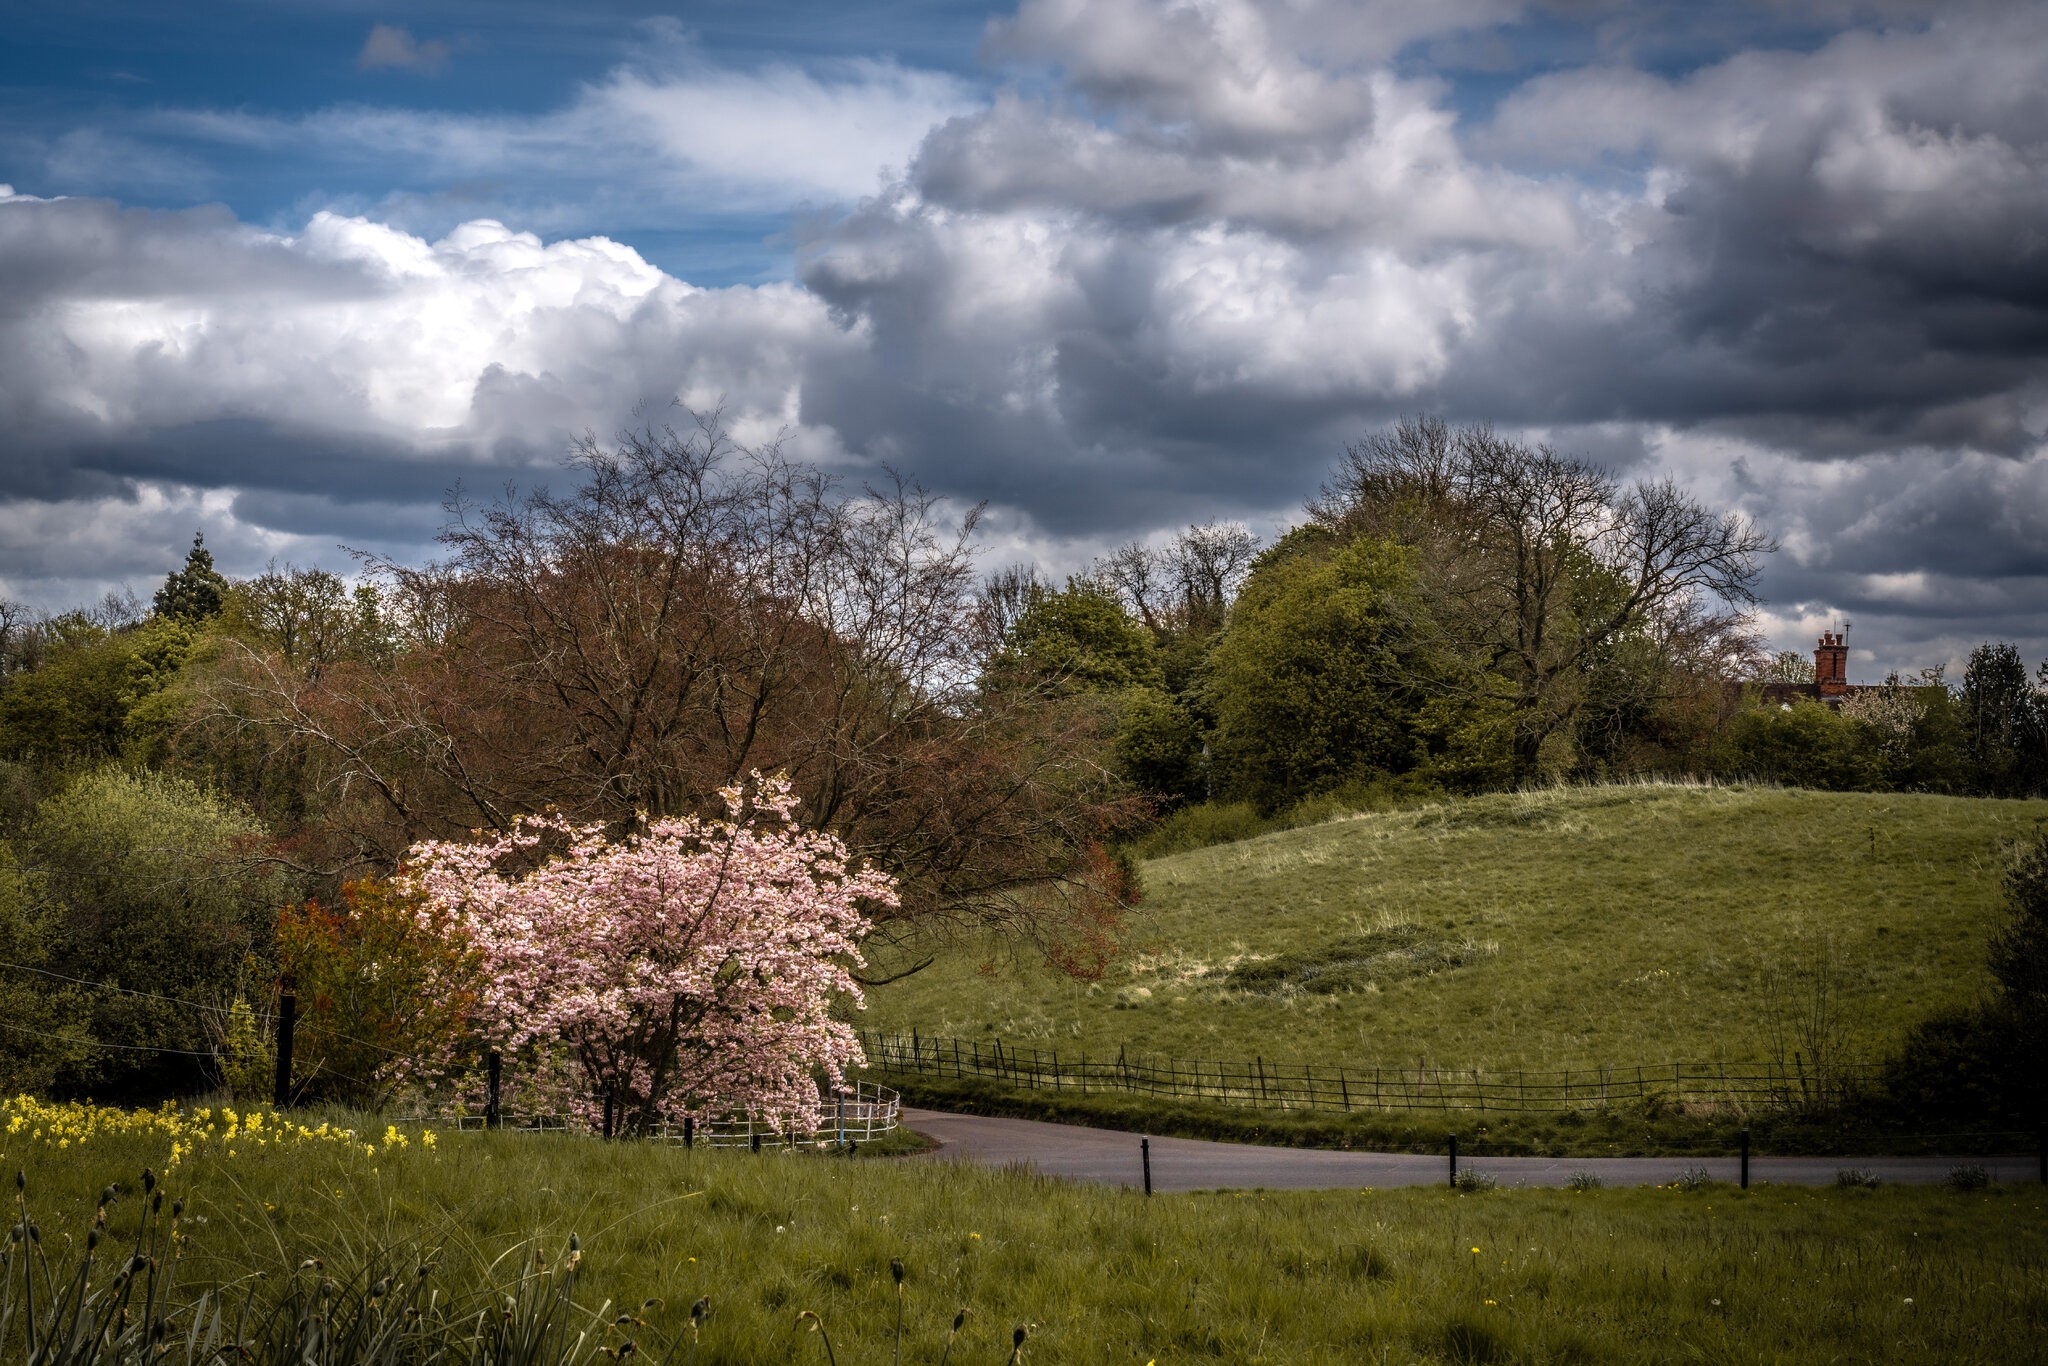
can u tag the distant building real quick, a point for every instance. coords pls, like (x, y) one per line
(1830, 684)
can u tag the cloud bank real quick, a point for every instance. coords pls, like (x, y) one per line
(1162, 274)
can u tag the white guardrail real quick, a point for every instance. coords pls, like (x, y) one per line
(858, 1116)
(861, 1115)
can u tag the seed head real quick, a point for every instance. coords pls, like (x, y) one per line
(896, 1269)
(148, 1180)
(701, 1310)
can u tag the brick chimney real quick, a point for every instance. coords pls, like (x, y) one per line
(1831, 665)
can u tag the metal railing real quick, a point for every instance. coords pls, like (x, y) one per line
(862, 1114)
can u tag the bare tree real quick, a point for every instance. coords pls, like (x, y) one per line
(691, 612)
(1007, 595)
(1537, 563)
(1186, 585)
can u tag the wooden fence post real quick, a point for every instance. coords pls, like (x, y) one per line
(287, 1019)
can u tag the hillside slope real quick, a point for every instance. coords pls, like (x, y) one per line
(1561, 928)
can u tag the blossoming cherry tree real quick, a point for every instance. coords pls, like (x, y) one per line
(687, 969)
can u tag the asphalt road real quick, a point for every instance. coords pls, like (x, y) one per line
(1111, 1157)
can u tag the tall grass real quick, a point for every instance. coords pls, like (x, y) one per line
(1095, 1275)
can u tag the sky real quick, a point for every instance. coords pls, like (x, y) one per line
(289, 272)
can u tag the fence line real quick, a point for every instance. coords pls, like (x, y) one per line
(861, 1115)
(1735, 1086)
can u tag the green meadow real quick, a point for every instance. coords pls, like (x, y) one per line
(1566, 927)
(1707, 1275)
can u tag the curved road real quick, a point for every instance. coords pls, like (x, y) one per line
(1111, 1157)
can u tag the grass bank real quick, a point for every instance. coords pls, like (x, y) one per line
(1573, 927)
(1410, 1276)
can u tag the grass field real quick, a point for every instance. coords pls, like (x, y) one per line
(1713, 1275)
(1557, 928)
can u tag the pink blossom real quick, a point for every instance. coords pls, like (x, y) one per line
(686, 970)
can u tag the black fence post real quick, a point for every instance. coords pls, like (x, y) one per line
(607, 1112)
(689, 1131)
(1454, 1161)
(494, 1066)
(2041, 1153)
(287, 1018)
(1145, 1156)
(1745, 1159)
(757, 1140)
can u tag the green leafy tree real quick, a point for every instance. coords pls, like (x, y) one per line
(1801, 744)
(2019, 952)
(1316, 679)
(195, 593)
(45, 1032)
(1081, 647)
(2002, 720)
(96, 695)
(1159, 744)
(1534, 563)
(158, 890)
(1078, 639)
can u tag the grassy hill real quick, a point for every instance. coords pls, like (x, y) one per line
(1560, 928)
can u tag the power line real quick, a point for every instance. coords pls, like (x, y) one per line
(109, 986)
(192, 1005)
(77, 1042)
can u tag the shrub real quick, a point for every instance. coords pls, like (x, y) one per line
(1967, 1176)
(1856, 1178)
(1583, 1181)
(1199, 827)
(159, 890)
(248, 1064)
(382, 980)
(1477, 1183)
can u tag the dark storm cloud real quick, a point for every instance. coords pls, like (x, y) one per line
(1793, 256)
(1826, 257)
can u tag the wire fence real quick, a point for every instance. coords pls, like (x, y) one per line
(1734, 1087)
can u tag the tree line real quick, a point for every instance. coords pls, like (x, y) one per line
(1457, 612)
(1460, 612)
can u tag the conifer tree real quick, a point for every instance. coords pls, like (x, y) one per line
(192, 594)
